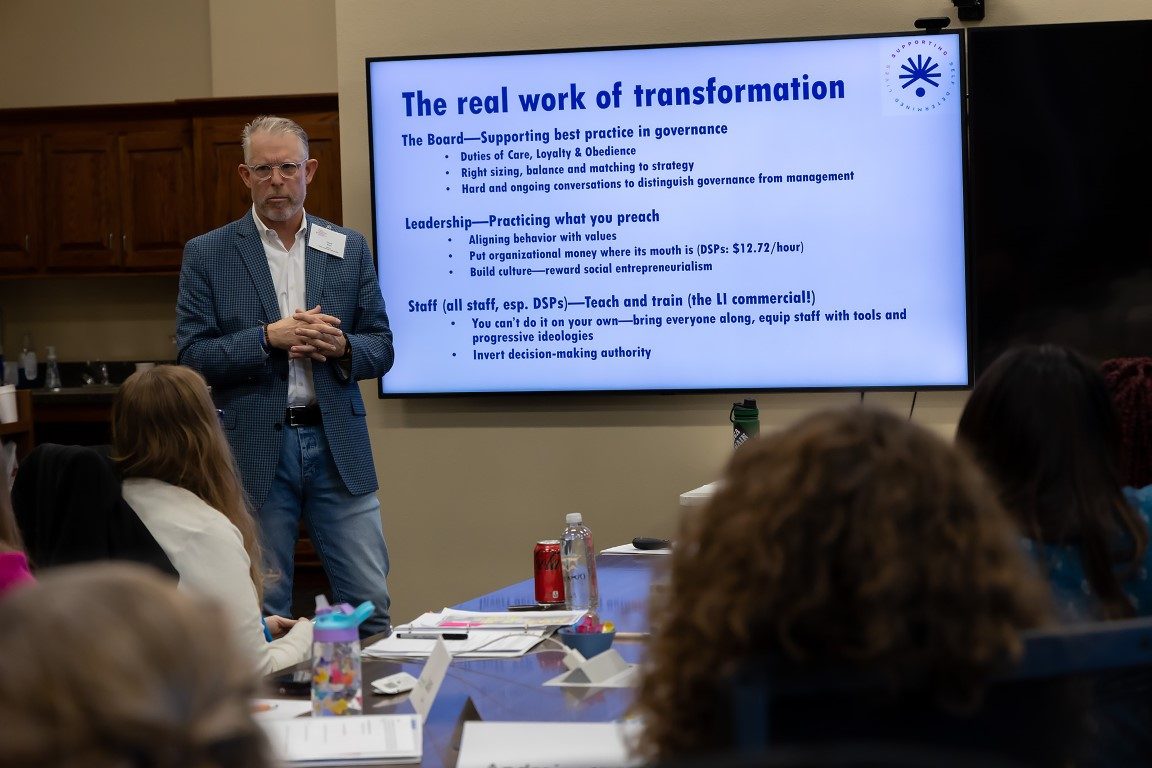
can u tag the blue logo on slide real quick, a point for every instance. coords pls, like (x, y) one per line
(921, 74)
(921, 69)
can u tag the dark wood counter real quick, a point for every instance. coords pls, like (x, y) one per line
(21, 431)
(74, 415)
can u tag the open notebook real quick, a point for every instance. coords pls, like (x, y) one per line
(350, 741)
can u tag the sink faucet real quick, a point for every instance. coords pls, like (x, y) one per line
(95, 374)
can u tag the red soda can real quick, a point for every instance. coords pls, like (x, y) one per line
(546, 568)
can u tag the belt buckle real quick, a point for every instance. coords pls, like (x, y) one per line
(302, 415)
(292, 414)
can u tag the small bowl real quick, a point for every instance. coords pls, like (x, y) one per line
(588, 643)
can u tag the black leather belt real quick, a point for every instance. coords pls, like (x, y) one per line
(303, 416)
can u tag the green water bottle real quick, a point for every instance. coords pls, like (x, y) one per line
(745, 418)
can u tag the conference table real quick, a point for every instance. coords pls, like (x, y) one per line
(512, 690)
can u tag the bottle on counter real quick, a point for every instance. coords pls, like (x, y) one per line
(745, 418)
(52, 371)
(337, 685)
(28, 362)
(578, 559)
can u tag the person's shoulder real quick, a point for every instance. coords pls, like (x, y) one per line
(224, 233)
(165, 498)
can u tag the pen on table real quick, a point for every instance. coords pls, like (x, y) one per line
(432, 635)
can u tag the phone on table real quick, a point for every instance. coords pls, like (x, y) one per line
(298, 683)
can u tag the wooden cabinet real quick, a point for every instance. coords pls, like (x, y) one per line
(121, 189)
(117, 199)
(80, 209)
(157, 197)
(19, 197)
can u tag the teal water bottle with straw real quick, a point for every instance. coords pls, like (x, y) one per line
(337, 684)
(745, 418)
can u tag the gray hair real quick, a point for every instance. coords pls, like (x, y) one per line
(271, 124)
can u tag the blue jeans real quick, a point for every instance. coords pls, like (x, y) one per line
(345, 529)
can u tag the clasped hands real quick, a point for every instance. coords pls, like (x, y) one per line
(308, 334)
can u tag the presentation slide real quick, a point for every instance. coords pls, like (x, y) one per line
(740, 216)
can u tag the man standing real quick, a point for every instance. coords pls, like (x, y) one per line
(282, 314)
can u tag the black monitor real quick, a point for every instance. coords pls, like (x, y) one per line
(1059, 192)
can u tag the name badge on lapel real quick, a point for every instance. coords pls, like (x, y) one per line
(323, 239)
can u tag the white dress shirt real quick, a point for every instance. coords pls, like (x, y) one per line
(287, 267)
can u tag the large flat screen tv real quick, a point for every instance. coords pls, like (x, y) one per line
(743, 216)
(1060, 196)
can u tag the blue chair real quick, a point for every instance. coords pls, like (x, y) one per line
(1080, 693)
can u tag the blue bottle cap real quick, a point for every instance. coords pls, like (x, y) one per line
(337, 623)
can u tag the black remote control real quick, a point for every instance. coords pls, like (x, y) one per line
(646, 542)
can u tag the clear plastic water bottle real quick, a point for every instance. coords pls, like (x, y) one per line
(52, 371)
(337, 679)
(28, 359)
(578, 559)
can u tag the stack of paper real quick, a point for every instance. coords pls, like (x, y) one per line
(350, 741)
(471, 634)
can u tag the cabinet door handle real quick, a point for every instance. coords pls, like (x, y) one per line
(109, 240)
(124, 242)
(27, 243)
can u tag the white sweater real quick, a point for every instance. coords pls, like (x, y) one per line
(208, 553)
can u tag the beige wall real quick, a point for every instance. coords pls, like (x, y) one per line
(92, 318)
(61, 52)
(468, 484)
(272, 47)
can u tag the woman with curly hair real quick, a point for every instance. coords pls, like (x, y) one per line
(109, 665)
(1041, 422)
(853, 544)
(180, 478)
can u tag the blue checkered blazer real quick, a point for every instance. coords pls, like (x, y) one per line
(227, 295)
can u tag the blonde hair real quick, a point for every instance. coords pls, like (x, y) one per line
(853, 540)
(107, 665)
(166, 427)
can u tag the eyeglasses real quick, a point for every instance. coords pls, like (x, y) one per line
(264, 172)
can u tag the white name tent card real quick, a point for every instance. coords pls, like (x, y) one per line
(604, 670)
(431, 676)
(548, 745)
